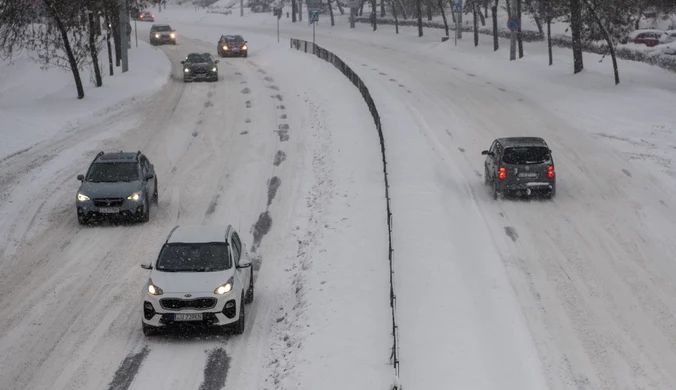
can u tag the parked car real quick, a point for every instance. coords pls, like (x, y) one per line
(200, 67)
(232, 45)
(117, 185)
(668, 37)
(520, 166)
(146, 17)
(162, 33)
(649, 38)
(202, 276)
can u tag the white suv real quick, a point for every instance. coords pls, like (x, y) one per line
(202, 276)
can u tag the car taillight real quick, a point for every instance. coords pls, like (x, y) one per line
(502, 173)
(550, 172)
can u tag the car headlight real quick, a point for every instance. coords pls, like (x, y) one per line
(135, 195)
(244, 47)
(153, 289)
(172, 35)
(82, 197)
(225, 288)
(225, 47)
(214, 69)
(186, 70)
(157, 35)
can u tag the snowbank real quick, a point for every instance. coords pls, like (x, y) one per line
(37, 104)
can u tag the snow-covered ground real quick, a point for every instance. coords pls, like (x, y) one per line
(576, 293)
(36, 104)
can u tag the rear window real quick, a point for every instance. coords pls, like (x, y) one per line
(200, 257)
(526, 155)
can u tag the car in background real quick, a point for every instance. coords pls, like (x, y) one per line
(649, 38)
(146, 17)
(117, 185)
(200, 67)
(520, 166)
(203, 277)
(161, 34)
(668, 37)
(232, 45)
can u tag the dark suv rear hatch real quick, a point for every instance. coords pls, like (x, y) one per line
(527, 163)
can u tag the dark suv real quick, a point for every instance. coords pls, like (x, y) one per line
(118, 185)
(520, 166)
(162, 33)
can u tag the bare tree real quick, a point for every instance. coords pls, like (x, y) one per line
(418, 7)
(519, 37)
(394, 13)
(333, 23)
(576, 32)
(494, 11)
(443, 15)
(476, 23)
(607, 36)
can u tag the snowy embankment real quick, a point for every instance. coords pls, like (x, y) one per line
(519, 295)
(37, 105)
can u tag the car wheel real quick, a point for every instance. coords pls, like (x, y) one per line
(146, 211)
(552, 193)
(148, 330)
(495, 189)
(250, 291)
(246, 55)
(82, 220)
(156, 195)
(238, 327)
(486, 180)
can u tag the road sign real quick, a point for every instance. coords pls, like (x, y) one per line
(313, 17)
(313, 5)
(513, 23)
(457, 6)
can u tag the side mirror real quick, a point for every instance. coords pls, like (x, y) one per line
(80, 177)
(182, 62)
(146, 266)
(244, 263)
(485, 152)
(150, 176)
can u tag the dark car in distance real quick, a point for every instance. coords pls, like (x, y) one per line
(520, 166)
(200, 67)
(232, 45)
(162, 33)
(117, 185)
(146, 17)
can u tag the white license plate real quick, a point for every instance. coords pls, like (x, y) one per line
(109, 210)
(188, 317)
(528, 175)
(235, 50)
(201, 76)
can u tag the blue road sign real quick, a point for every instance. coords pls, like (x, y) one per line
(457, 6)
(313, 16)
(513, 23)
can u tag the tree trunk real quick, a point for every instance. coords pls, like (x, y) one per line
(93, 50)
(428, 6)
(340, 8)
(361, 8)
(300, 10)
(66, 45)
(418, 6)
(110, 50)
(481, 15)
(508, 3)
(453, 18)
(475, 22)
(396, 20)
(373, 14)
(519, 38)
(536, 16)
(403, 10)
(294, 9)
(494, 11)
(576, 32)
(333, 23)
(609, 40)
(549, 33)
(382, 8)
(443, 15)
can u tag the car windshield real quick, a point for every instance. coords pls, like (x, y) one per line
(526, 155)
(200, 257)
(163, 28)
(196, 58)
(113, 172)
(233, 38)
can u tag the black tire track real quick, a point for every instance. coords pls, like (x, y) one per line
(127, 370)
(216, 370)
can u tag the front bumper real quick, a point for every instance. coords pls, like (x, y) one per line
(128, 209)
(209, 76)
(163, 39)
(233, 53)
(225, 312)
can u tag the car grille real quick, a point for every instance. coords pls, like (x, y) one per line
(180, 304)
(200, 70)
(108, 202)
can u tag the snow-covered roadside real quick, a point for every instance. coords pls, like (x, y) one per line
(36, 105)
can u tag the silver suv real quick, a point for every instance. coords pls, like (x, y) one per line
(117, 185)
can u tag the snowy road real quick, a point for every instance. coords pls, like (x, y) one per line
(252, 149)
(574, 293)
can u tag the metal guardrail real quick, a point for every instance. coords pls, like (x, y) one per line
(311, 48)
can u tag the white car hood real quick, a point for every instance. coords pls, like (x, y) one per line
(190, 282)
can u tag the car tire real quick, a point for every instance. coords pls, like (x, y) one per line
(156, 195)
(495, 189)
(82, 220)
(239, 326)
(250, 291)
(146, 211)
(487, 182)
(552, 193)
(245, 55)
(148, 330)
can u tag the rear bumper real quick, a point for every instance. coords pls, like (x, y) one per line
(535, 186)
